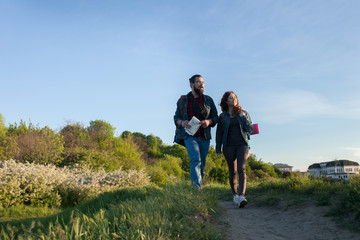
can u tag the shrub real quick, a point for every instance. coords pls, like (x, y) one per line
(28, 184)
(94, 158)
(124, 154)
(128, 154)
(28, 143)
(219, 163)
(39, 185)
(210, 164)
(93, 146)
(179, 151)
(259, 169)
(171, 165)
(219, 175)
(74, 135)
(154, 146)
(82, 183)
(165, 171)
(158, 175)
(3, 129)
(216, 168)
(259, 174)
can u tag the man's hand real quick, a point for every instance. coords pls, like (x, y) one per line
(205, 123)
(218, 155)
(185, 124)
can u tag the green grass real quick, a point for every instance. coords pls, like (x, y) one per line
(24, 212)
(174, 212)
(342, 198)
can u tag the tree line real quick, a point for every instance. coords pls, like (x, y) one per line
(97, 146)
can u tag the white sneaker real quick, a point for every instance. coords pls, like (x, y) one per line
(236, 199)
(242, 201)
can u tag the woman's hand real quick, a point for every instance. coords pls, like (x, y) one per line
(218, 155)
(205, 123)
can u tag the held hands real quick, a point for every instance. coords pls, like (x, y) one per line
(218, 155)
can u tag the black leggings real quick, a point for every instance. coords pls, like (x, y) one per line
(236, 158)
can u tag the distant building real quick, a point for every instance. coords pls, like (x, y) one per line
(283, 167)
(337, 169)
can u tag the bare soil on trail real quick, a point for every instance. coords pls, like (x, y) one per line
(302, 221)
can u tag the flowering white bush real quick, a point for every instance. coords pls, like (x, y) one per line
(41, 185)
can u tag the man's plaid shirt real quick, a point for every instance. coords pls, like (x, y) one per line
(190, 112)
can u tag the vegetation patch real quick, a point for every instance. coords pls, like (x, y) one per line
(85, 183)
(50, 186)
(172, 212)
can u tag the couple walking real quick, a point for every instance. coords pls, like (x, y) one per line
(232, 134)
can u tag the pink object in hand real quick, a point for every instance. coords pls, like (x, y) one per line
(256, 129)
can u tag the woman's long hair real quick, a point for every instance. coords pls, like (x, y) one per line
(223, 104)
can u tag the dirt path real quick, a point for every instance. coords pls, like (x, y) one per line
(305, 221)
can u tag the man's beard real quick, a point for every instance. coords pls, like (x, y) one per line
(199, 90)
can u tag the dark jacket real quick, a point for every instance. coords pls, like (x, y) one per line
(211, 114)
(222, 129)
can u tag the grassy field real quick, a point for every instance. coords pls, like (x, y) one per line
(173, 212)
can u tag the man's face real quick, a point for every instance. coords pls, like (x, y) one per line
(198, 85)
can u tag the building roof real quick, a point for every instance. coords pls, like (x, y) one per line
(315, 165)
(341, 163)
(335, 163)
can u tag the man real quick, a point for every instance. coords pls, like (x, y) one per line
(195, 103)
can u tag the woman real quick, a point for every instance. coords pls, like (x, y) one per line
(233, 134)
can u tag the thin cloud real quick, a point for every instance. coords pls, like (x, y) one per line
(354, 150)
(288, 105)
(351, 109)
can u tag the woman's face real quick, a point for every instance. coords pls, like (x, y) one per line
(232, 101)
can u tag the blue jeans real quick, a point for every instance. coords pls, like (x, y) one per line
(197, 149)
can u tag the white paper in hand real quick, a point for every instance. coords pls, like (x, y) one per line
(195, 124)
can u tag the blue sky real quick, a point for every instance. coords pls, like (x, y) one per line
(295, 66)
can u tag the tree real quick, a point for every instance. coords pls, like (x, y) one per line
(179, 151)
(3, 131)
(125, 134)
(2, 127)
(77, 144)
(74, 135)
(259, 169)
(101, 132)
(154, 144)
(29, 143)
(128, 154)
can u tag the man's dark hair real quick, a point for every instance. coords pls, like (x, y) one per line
(193, 78)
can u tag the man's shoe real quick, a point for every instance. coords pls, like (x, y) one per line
(242, 201)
